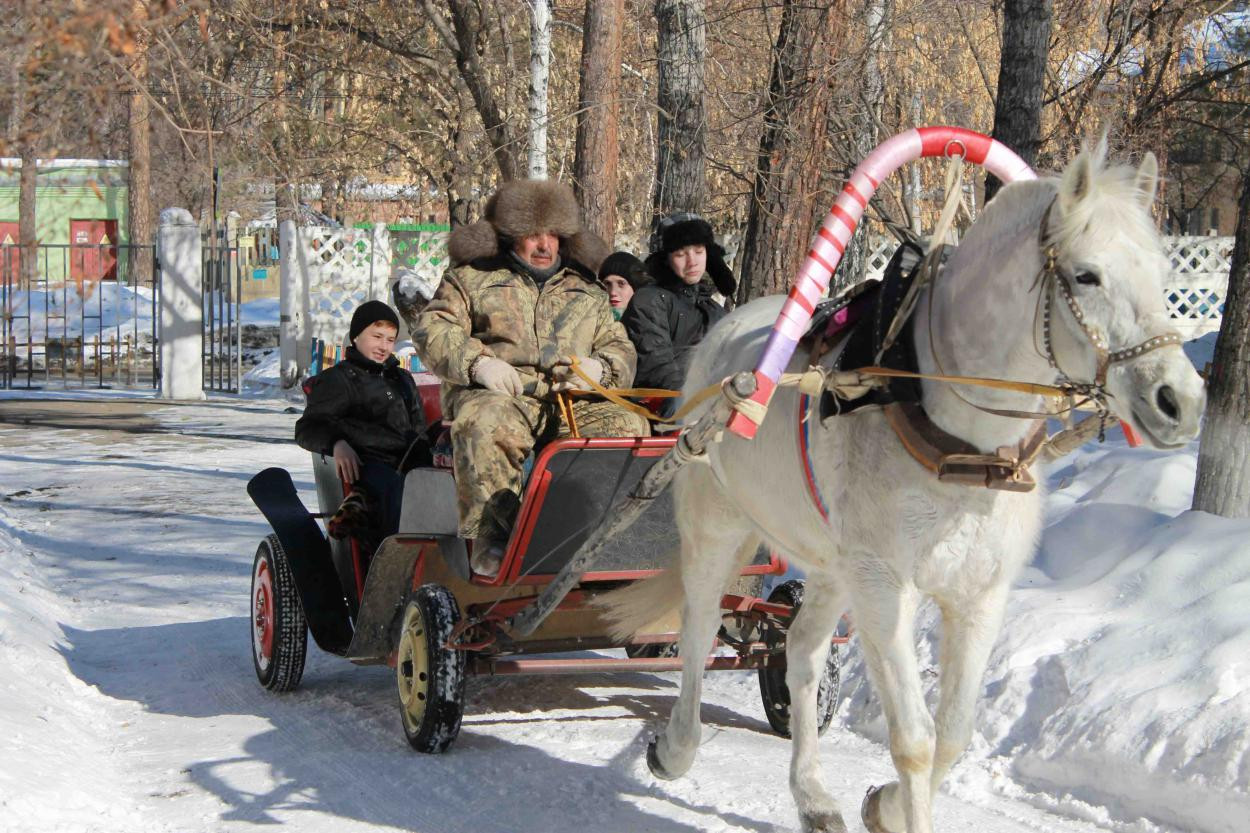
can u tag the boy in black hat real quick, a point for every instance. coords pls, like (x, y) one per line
(668, 318)
(364, 413)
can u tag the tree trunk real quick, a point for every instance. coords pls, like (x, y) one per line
(679, 183)
(1021, 77)
(285, 195)
(1222, 486)
(598, 149)
(876, 24)
(139, 193)
(460, 174)
(787, 167)
(27, 234)
(540, 69)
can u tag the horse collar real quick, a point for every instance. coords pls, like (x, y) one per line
(955, 461)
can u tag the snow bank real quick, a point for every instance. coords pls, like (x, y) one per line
(53, 733)
(59, 311)
(1119, 690)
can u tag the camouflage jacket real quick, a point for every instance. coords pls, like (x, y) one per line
(499, 312)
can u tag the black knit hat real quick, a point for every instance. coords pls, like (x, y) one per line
(627, 266)
(371, 312)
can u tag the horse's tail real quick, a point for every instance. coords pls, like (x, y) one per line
(633, 607)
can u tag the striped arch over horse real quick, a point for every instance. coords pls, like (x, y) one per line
(830, 241)
(1073, 261)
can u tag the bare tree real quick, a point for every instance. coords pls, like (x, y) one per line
(1222, 486)
(864, 130)
(1021, 77)
(27, 234)
(787, 166)
(462, 38)
(679, 184)
(597, 149)
(540, 69)
(139, 193)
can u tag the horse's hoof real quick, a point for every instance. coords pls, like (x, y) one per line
(653, 762)
(822, 822)
(870, 811)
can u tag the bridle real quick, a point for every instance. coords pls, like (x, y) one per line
(1055, 282)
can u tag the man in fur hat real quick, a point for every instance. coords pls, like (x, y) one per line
(518, 304)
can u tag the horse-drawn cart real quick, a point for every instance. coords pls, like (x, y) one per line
(416, 605)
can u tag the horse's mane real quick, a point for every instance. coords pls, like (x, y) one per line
(1113, 206)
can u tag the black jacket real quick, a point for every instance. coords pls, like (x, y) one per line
(665, 321)
(373, 406)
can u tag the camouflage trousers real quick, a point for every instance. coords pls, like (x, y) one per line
(492, 435)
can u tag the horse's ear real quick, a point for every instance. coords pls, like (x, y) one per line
(1148, 179)
(1077, 180)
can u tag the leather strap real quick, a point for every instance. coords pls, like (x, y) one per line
(955, 461)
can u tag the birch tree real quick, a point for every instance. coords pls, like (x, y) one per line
(540, 69)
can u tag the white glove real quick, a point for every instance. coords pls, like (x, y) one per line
(497, 375)
(566, 379)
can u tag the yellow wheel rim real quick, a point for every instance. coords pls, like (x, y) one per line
(412, 669)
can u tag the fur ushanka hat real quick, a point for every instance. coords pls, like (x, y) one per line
(524, 207)
(680, 231)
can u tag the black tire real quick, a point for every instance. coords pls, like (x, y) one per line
(773, 690)
(279, 629)
(430, 676)
(651, 650)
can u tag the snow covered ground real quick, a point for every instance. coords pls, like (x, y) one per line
(1118, 697)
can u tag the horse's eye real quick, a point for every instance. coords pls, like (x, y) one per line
(1088, 278)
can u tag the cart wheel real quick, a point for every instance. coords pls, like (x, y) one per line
(279, 629)
(430, 676)
(773, 690)
(653, 650)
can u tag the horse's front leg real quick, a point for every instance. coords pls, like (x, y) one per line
(712, 553)
(968, 634)
(807, 649)
(885, 613)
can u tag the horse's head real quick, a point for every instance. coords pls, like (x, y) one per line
(1107, 315)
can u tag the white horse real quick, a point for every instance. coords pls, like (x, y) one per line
(895, 534)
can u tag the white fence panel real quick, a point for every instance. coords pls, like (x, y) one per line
(345, 268)
(1199, 282)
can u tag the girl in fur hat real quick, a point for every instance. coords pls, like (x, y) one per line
(668, 318)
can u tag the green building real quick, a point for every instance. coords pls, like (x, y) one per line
(78, 203)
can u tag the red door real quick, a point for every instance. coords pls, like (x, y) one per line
(92, 253)
(10, 260)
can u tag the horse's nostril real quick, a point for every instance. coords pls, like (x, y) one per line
(1165, 398)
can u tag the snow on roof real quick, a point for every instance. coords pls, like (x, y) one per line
(16, 162)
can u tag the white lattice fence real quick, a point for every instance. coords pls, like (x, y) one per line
(1199, 282)
(344, 268)
(1194, 294)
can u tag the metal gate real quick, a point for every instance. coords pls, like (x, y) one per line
(87, 317)
(223, 332)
